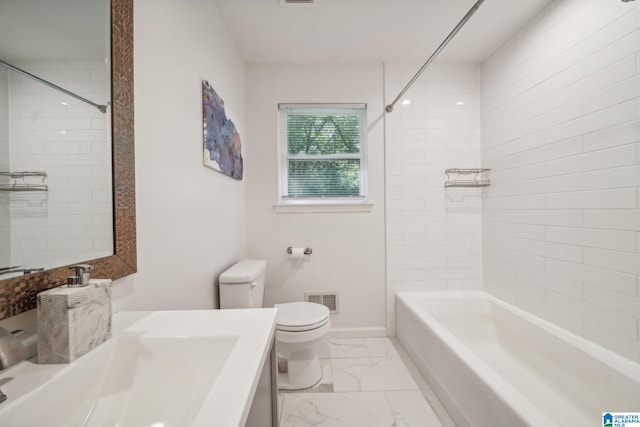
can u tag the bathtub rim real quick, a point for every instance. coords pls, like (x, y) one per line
(611, 359)
(500, 389)
(487, 381)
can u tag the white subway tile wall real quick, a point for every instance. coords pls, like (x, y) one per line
(561, 132)
(69, 140)
(433, 234)
(5, 219)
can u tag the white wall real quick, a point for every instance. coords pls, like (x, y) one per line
(433, 234)
(561, 131)
(348, 248)
(190, 219)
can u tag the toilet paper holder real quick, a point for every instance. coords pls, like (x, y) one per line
(307, 251)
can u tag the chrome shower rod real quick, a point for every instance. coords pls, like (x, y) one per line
(102, 108)
(389, 108)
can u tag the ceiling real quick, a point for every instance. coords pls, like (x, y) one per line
(47, 29)
(267, 31)
(371, 30)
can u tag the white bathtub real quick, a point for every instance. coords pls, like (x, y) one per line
(493, 364)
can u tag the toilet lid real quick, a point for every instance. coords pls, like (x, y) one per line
(296, 314)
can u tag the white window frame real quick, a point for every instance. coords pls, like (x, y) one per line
(292, 204)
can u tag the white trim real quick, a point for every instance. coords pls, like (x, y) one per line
(368, 332)
(339, 156)
(312, 207)
(295, 106)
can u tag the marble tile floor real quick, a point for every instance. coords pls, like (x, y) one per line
(367, 382)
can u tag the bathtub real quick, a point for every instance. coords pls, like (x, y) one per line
(492, 364)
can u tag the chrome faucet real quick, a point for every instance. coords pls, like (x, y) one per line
(81, 277)
(11, 350)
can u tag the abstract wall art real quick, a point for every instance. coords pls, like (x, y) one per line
(222, 147)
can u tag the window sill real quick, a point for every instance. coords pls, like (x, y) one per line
(319, 207)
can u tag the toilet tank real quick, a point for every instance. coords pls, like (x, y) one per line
(242, 285)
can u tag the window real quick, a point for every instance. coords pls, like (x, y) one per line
(322, 153)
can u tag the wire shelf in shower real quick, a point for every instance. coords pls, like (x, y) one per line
(460, 177)
(19, 181)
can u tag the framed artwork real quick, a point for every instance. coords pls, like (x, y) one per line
(221, 140)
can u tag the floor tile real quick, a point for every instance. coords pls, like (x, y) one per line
(383, 347)
(366, 382)
(415, 373)
(336, 348)
(411, 409)
(336, 410)
(371, 374)
(439, 409)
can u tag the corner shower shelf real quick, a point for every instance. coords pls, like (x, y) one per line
(24, 185)
(467, 177)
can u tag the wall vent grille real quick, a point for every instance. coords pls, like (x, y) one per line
(328, 299)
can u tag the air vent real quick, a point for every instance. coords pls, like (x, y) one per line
(328, 299)
(298, 2)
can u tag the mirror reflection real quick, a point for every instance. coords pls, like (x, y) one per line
(55, 145)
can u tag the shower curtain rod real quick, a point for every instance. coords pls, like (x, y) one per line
(102, 108)
(389, 108)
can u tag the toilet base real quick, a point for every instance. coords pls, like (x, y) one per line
(299, 374)
(299, 352)
(299, 366)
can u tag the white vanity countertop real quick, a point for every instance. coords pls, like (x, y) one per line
(227, 346)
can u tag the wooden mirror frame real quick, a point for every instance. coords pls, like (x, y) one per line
(19, 294)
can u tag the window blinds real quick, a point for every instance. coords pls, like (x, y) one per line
(322, 150)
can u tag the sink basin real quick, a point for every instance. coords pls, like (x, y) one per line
(160, 369)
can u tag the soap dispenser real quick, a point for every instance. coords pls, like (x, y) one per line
(73, 318)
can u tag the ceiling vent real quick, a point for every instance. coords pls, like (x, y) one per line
(298, 2)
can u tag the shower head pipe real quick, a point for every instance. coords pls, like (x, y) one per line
(389, 108)
(100, 107)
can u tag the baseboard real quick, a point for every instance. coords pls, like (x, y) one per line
(369, 332)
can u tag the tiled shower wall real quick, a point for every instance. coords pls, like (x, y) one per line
(52, 132)
(5, 236)
(561, 131)
(433, 234)
(4, 118)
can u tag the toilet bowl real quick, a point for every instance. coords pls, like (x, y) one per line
(299, 325)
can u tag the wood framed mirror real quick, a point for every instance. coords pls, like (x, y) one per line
(19, 294)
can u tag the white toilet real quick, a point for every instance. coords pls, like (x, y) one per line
(300, 325)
